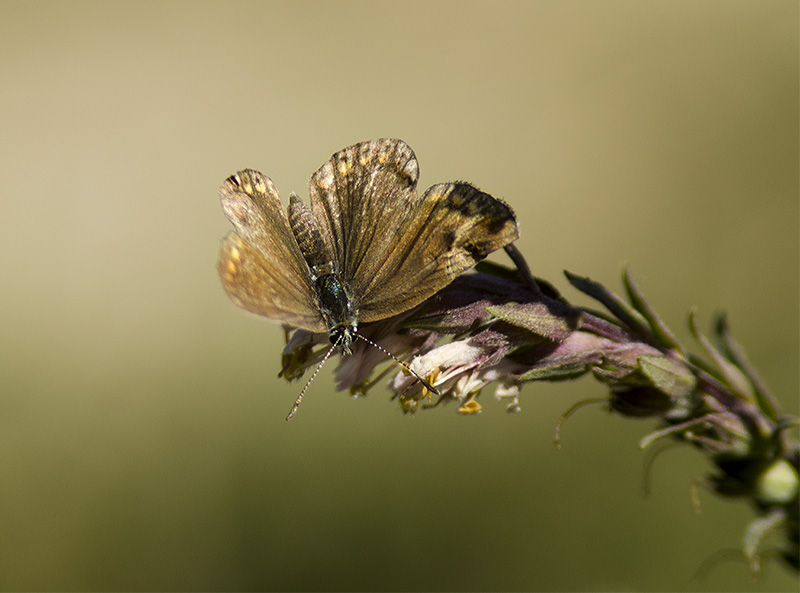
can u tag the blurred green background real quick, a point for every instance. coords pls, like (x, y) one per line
(142, 434)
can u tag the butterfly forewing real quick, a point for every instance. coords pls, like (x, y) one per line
(252, 204)
(261, 265)
(455, 226)
(363, 195)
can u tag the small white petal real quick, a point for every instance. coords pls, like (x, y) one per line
(448, 356)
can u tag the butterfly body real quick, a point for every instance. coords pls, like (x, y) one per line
(338, 308)
(366, 249)
(334, 297)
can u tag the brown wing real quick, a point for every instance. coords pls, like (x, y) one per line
(394, 248)
(360, 197)
(260, 265)
(455, 226)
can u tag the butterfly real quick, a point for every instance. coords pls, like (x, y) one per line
(367, 248)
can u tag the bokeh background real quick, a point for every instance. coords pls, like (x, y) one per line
(142, 434)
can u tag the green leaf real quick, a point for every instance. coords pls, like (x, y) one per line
(756, 533)
(559, 370)
(668, 375)
(663, 335)
(553, 320)
(619, 308)
(733, 351)
(733, 376)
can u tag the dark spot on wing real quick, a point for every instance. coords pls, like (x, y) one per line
(449, 238)
(474, 251)
(469, 201)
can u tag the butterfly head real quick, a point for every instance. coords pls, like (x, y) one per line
(343, 336)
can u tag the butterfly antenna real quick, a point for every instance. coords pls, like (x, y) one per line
(305, 387)
(425, 384)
